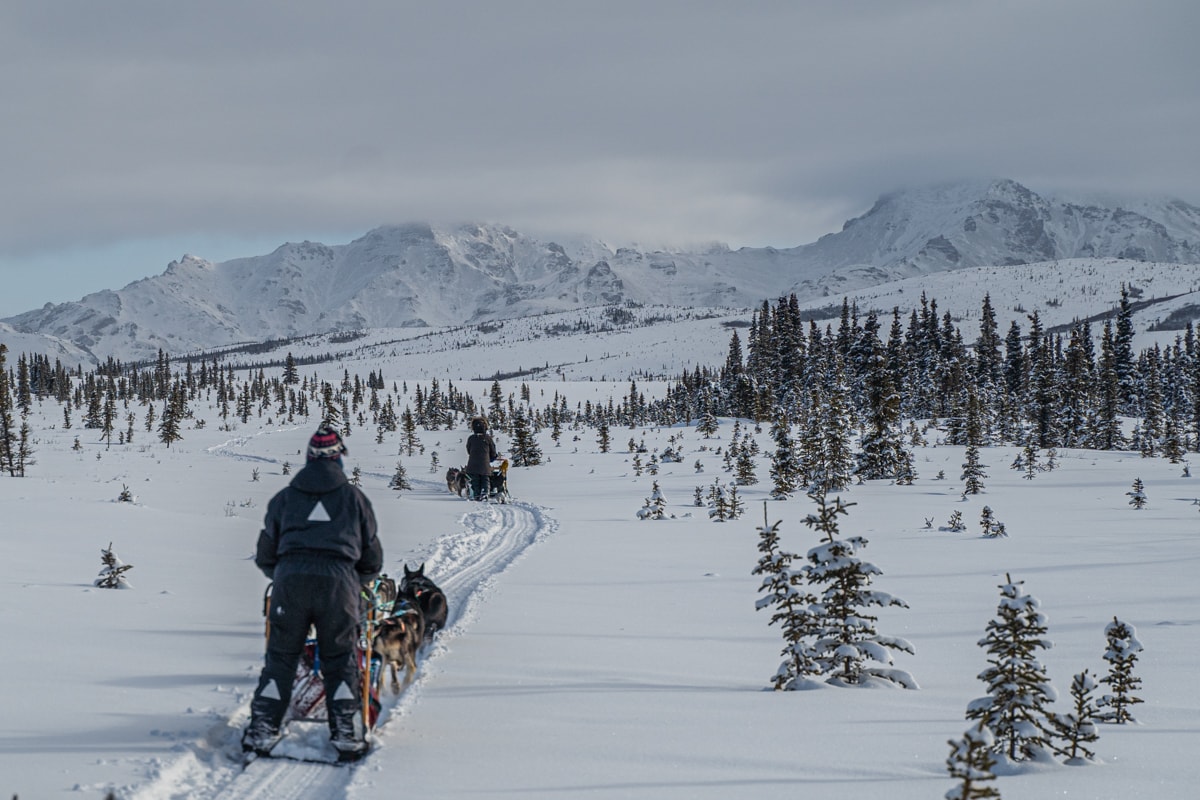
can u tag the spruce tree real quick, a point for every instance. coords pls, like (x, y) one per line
(112, 575)
(655, 506)
(399, 481)
(783, 591)
(973, 473)
(971, 762)
(525, 450)
(170, 427)
(1076, 729)
(745, 467)
(602, 437)
(8, 433)
(882, 442)
(1018, 688)
(1137, 497)
(1121, 655)
(848, 645)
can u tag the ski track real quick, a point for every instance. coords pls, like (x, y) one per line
(464, 564)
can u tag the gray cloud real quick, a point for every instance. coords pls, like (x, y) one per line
(754, 123)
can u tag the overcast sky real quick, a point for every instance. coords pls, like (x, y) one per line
(135, 132)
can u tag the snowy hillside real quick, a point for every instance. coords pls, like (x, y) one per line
(1165, 296)
(588, 652)
(419, 276)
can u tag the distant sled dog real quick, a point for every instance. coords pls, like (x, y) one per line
(457, 481)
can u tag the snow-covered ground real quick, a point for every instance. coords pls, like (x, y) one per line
(590, 654)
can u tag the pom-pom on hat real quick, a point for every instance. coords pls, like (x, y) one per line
(326, 443)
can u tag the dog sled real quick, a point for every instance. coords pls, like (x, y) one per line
(458, 482)
(395, 623)
(308, 689)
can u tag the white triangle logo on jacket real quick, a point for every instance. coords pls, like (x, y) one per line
(319, 514)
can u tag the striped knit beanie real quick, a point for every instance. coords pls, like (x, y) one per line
(326, 443)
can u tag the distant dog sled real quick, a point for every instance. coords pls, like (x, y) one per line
(458, 482)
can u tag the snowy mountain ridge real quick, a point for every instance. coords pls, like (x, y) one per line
(416, 275)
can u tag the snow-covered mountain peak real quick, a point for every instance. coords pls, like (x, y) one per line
(417, 274)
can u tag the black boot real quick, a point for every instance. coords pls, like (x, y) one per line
(260, 736)
(346, 730)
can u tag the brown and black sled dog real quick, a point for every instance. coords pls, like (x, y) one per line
(418, 587)
(397, 640)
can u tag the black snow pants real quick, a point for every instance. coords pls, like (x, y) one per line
(327, 597)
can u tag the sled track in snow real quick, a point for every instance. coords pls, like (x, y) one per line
(464, 564)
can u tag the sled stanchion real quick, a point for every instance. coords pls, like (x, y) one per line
(368, 630)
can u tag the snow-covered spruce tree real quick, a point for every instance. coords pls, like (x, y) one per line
(707, 424)
(524, 448)
(1018, 688)
(785, 463)
(973, 474)
(970, 763)
(733, 504)
(837, 417)
(1076, 729)
(1030, 460)
(698, 498)
(906, 472)
(848, 645)
(718, 510)
(112, 576)
(603, 439)
(399, 481)
(656, 504)
(1137, 497)
(989, 526)
(882, 443)
(1123, 647)
(783, 591)
(745, 467)
(955, 523)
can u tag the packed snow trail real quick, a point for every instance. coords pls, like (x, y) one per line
(464, 564)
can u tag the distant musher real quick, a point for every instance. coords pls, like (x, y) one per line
(481, 452)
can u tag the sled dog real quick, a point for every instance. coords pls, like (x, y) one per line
(456, 481)
(397, 640)
(417, 587)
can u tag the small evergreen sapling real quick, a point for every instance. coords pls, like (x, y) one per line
(1123, 647)
(1137, 497)
(656, 505)
(970, 763)
(399, 481)
(1077, 728)
(848, 645)
(1018, 689)
(793, 609)
(973, 473)
(955, 523)
(989, 527)
(112, 576)
(733, 503)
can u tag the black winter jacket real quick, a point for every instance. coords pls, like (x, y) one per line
(320, 525)
(481, 452)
